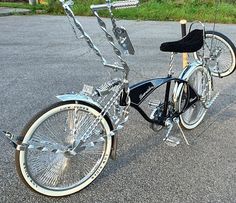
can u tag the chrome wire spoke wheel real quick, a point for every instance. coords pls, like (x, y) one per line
(219, 52)
(57, 173)
(200, 81)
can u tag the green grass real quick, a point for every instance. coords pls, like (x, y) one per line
(24, 5)
(226, 13)
(174, 10)
(21, 5)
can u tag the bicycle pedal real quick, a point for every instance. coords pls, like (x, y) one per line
(172, 141)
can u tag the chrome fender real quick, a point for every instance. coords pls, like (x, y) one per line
(184, 75)
(78, 97)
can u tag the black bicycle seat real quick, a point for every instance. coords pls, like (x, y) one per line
(192, 42)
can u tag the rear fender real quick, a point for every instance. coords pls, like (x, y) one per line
(184, 76)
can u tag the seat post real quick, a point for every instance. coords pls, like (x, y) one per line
(168, 84)
(171, 63)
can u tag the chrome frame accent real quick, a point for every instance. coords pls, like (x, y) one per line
(172, 57)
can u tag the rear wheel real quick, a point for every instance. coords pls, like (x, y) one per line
(200, 80)
(220, 53)
(49, 170)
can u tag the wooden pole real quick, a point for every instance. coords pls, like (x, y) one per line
(184, 32)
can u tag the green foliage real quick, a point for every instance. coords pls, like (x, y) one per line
(23, 5)
(54, 7)
(203, 10)
(182, 9)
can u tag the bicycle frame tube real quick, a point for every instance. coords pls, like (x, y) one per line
(166, 101)
(140, 91)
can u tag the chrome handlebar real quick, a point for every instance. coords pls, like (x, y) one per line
(125, 4)
(115, 5)
(122, 37)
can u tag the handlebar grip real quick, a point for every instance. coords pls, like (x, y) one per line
(99, 7)
(124, 4)
(116, 5)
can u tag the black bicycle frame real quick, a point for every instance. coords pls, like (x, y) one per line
(140, 91)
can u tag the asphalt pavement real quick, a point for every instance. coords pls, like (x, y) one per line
(40, 58)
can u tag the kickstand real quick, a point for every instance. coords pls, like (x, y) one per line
(169, 126)
(176, 120)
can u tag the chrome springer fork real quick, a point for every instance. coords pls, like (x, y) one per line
(117, 87)
(119, 119)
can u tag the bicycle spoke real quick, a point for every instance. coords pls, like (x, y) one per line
(61, 172)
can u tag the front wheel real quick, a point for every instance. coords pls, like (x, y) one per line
(199, 79)
(49, 170)
(220, 53)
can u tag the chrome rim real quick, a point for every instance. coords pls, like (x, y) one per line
(56, 171)
(199, 82)
(218, 54)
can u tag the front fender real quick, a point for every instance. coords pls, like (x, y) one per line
(78, 97)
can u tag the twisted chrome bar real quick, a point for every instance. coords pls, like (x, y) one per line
(109, 6)
(66, 5)
(69, 12)
(111, 41)
(116, 5)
